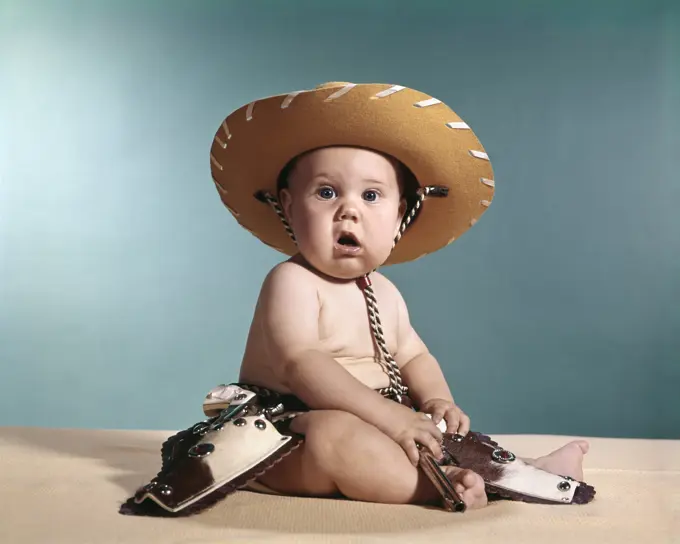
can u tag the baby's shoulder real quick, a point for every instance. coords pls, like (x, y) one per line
(384, 284)
(387, 291)
(287, 271)
(290, 278)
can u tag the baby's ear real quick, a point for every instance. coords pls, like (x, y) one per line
(285, 199)
(402, 209)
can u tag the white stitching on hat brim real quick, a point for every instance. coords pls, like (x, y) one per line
(214, 161)
(337, 94)
(479, 154)
(388, 92)
(427, 103)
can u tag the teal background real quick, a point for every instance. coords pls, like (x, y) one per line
(126, 289)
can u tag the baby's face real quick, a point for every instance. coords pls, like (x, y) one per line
(345, 208)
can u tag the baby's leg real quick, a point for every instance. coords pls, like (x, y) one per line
(345, 456)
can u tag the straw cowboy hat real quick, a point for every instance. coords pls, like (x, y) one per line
(255, 142)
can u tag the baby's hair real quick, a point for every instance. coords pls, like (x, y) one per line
(408, 184)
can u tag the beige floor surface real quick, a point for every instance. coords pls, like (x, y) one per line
(61, 486)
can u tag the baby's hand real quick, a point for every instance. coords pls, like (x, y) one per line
(410, 429)
(456, 420)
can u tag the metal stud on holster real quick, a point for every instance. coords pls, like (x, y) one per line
(201, 450)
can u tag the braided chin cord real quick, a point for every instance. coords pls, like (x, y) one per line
(396, 390)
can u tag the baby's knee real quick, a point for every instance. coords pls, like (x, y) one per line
(327, 432)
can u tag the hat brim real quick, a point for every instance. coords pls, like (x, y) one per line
(256, 141)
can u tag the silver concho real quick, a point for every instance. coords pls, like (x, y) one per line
(240, 422)
(201, 450)
(503, 456)
(564, 486)
(260, 424)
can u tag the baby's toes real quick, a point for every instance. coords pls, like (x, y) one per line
(470, 487)
(474, 498)
(584, 445)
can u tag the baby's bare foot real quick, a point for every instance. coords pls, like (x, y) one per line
(469, 485)
(565, 461)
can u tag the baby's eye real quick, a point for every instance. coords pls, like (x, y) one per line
(326, 193)
(371, 196)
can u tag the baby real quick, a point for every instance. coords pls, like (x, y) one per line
(310, 336)
(344, 179)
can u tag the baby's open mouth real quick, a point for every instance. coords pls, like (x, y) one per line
(347, 240)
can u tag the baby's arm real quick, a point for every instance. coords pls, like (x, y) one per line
(423, 376)
(420, 370)
(290, 306)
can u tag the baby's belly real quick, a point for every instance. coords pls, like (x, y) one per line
(366, 370)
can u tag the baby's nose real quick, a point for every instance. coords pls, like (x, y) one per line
(349, 212)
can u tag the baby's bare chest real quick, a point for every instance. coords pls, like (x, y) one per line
(345, 323)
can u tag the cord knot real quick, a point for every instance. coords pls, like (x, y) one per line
(436, 190)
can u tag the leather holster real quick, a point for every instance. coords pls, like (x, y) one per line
(246, 435)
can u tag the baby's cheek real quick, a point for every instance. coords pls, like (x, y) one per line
(312, 235)
(303, 225)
